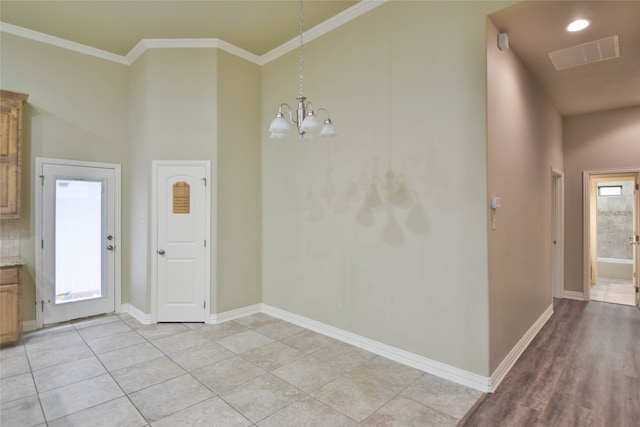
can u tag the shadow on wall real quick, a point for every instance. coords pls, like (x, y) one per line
(371, 198)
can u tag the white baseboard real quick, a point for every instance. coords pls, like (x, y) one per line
(139, 315)
(574, 295)
(29, 325)
(233, 314)
(448, 372)
(460, 376)
(147, 319)
(503, 369)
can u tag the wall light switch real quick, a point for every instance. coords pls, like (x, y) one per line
(496, 202)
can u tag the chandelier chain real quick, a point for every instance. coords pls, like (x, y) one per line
(300, 57)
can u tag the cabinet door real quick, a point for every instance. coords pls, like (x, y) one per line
(9, 163)
(10, 329)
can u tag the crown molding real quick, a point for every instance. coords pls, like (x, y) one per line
(336, 21)
(330, 24)
(146, 44)
(62, 43)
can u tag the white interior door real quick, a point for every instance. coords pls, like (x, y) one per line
(182, 205)
(78, 241)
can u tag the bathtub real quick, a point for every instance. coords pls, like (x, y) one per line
(615, 268)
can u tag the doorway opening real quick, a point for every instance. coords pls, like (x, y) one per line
(612, 230)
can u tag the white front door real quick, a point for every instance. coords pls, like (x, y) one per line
(78, 240)
(182, 207)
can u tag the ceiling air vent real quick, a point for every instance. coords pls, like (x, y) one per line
(587, 53)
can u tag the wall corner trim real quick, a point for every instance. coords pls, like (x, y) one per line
(507, 363)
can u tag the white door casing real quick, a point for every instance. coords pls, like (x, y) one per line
(181, 250)
(53, 174)
(557, 248)
(635, 239)
(590, 180)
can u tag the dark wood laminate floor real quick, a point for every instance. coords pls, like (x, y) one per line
(583, 369)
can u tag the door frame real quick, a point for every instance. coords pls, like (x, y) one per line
(40, 161)
(210, 235)
(586, 221)
(557, 224)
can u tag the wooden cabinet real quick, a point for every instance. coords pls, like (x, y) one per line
(10, 304)
(10, 153)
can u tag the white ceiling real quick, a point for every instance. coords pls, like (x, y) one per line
(535, 28)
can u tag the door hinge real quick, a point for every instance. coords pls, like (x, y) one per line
(204, 305)
(637, 186)
(41, 244)
(205, 243)
(205, 181)
(41, 179)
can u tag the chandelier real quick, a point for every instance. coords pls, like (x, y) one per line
(306, 120)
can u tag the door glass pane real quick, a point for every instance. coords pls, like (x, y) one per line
(78, 240)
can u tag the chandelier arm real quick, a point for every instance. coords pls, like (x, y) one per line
(324, 110)
(287, 110)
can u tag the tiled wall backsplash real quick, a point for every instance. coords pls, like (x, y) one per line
(10, 238)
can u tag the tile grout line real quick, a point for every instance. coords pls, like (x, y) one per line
(109, 373)
(35, 386)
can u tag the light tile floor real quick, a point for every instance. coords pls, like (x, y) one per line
(616, 291)
(254, 371)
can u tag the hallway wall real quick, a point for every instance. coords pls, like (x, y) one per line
(524, 144)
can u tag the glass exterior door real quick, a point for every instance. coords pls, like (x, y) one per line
(78, 249)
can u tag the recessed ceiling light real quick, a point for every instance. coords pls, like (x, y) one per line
(578, 25)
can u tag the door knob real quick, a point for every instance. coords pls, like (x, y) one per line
(161, 252)
(110, 247)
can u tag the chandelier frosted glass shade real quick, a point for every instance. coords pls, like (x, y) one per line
(279, 128)
(310, 124)
(328, 131)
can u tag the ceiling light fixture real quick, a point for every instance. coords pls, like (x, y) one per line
(306, 120)
(578, 25)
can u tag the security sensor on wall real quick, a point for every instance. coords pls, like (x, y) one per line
(503, 41)
(496, 203)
